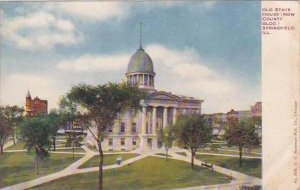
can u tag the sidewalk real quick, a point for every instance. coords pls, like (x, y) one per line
(65, 172)
(8, 144)
(239, 179)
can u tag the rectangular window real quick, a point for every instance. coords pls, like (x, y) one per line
(122, 141)
(147, 128)
(122, 128)
(133, 141)
(134, 127)
(110, 141)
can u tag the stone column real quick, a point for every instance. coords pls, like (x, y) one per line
(165, 115)
(128, 123)
(154, 121)
(143, 132)
(174, 115)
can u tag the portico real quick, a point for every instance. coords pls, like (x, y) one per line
(140, 128)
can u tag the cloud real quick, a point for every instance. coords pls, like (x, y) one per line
(94, 11)
(90, 63)
(39, 30)
(15, 87)
(181, 71)
(185, 72)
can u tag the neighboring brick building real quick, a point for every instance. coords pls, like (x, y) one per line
(35, 106)
(256, 110)
(218, 120)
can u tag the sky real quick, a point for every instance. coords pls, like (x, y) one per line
(209, 50)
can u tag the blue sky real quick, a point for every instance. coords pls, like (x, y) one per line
(209, 50)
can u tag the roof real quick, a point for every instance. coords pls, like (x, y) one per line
(140, 62)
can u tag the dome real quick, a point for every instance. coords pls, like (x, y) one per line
(140, 62)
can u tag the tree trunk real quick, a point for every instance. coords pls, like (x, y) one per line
(1, 148)
(36, 162)
(240, 153)
(73, 148)
(167, 149)
(73, 138)
(100, 182)
(53, 143)
(13, 136)
(192, 159)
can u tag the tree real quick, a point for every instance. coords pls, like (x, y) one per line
(103, 103)
(35, 133)
(192, 132)
(167, 137)
(13, 115)
(55, 121)
(69, 112)
(242, 133)
(4, 129)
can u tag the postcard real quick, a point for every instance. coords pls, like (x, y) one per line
(150, 95)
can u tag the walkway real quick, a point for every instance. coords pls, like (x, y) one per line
(65, 172)
(8, 144)
(239, 179)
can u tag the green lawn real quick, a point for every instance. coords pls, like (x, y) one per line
(181, 153)
(109, 159)
(226, 152)
(93, 148)
(148, 173)
(163, 154)
(19, 167)
(250, 167)
(17, 146)
(76, 149)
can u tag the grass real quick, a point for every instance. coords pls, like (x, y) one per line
(231, 152)
(19, 167)
(76, 149)
(109, 159)
(181, 153)
(148, 173)
(93, 148)
(17, 146)
(250, 167)
(163, 154)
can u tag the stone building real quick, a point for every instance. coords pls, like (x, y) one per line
(218, 120)
(140, 129)
(35, 106)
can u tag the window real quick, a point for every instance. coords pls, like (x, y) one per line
(122, 129)
(122, 141)
(110, 129)
(110, 141)
(147, 128)
(134, 127)
(133, 141)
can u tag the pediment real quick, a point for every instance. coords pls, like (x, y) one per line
(161, 95)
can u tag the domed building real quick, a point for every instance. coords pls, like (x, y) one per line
(134, 130)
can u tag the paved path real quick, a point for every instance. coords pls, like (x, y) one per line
(65, 172)
(8, 144)
(238, 178)
(73, 169)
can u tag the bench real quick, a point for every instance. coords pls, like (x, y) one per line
(210, 166)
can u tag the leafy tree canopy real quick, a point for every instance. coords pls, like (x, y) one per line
(35, 132)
